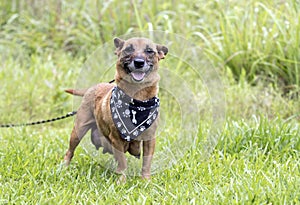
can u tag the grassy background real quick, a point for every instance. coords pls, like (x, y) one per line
(253, 44)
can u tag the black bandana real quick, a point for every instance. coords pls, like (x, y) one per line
(132, 117)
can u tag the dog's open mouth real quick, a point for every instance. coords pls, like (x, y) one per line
(138, 75)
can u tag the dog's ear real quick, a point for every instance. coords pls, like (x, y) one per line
(162, 51)
(119, 43)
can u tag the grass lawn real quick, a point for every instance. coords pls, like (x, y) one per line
(230, 141)
(252, 163)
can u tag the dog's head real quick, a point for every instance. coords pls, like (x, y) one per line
(138, 58)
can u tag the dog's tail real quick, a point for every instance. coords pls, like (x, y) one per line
(76, 92)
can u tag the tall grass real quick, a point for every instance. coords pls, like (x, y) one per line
(262, 39)
(258, 37)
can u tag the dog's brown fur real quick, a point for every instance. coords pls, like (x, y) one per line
(95, 114)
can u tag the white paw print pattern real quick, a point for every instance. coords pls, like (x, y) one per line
(119, 124)
(126, 113)
(142, 128)
(141, 108)
(127, 138)
(154, 116)
(149, 122)
(119, 104)
(123, 131)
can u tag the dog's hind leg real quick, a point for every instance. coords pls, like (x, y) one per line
(74, 141)
(85, 120)
(76, 136)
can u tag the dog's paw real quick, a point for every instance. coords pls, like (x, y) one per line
(68, 157)
(66, 161)
(146, 177)
(121, 179)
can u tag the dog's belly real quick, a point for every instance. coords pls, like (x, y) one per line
(99, 140)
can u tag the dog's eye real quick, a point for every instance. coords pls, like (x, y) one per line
(129, 49)
(149, 51)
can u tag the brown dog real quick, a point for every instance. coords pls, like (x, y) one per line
(124, 116)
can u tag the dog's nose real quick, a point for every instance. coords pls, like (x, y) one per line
(139, 63)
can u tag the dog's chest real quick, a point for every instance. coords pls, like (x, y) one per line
(132, 117)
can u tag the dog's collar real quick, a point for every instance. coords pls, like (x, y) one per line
(132, 117)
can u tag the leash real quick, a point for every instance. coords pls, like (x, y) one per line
(70, 114)
(40, 122)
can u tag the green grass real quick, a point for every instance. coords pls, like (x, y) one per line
(256, 162)
(254, 49)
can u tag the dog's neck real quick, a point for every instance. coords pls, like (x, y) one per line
(139, 91)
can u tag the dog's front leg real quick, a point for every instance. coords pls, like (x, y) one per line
(148, 151)
(121, 160)
(119, 155)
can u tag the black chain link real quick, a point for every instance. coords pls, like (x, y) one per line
(39, 122)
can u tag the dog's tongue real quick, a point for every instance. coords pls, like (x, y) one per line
(138, 76)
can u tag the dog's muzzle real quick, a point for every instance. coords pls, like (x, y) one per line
(139, 68)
